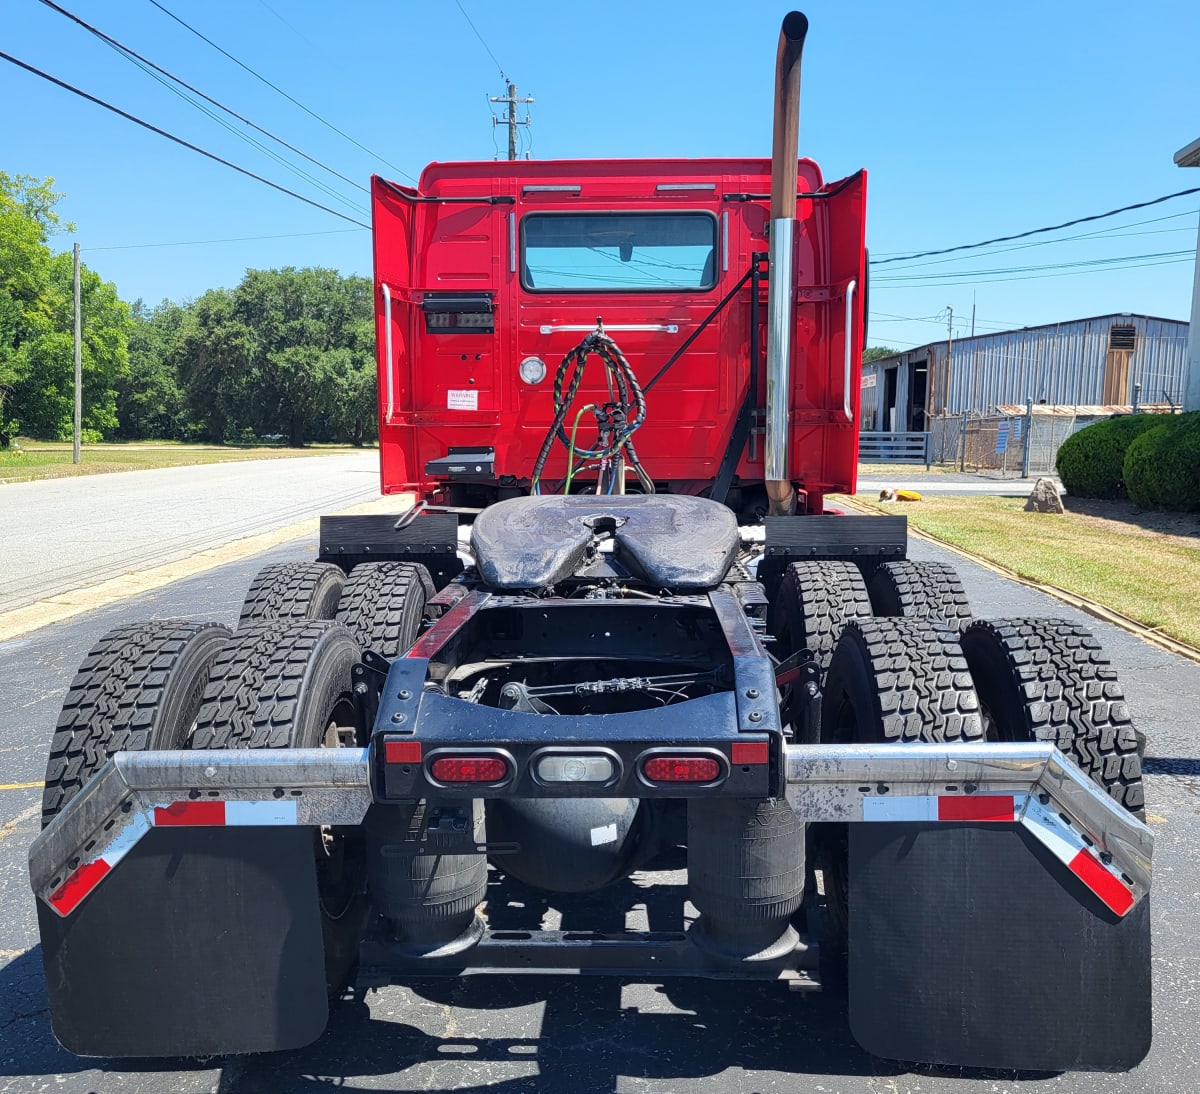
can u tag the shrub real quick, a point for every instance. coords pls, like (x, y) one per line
(1090, 462)
(1162, 466)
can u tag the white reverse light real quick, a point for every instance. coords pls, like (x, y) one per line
(585, 768)
(533, 370)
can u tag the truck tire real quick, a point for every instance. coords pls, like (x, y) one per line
(293, 590)
(890, 680)
(383, 604)
(917, 590)
(138, 688)
(286, 683)
(814, 602)
(1049, 680)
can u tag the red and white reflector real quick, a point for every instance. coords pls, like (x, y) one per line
(999, 808)
(469, 769)
(207, 814)
(224, 814)
(1067, 845)
(88, 875)
(681, 769)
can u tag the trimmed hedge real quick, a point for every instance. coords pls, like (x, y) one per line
(1162, 466)
(1091, 462)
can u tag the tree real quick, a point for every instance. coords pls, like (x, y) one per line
(44, 395)
(284, 352)
(149, 400)
(37, 376)
(27, 219)
(874, 353)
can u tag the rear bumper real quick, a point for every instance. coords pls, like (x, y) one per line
(1029, 785)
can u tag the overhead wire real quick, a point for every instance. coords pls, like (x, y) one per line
(472, 25)
(232, 239)
(130, 53)
(1032, 231)
(1081, 265)
(177, 140)
(1115, 232)
(278, 90)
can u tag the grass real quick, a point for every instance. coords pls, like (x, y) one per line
(1149, 575)
(37, 460)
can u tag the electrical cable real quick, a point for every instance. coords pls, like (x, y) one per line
(124, 49)
(279, 90)
(231, 239)
(178, 140)
(1034, 231)
(481, 41)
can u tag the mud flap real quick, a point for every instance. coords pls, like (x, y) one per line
(971, 946)
(203, 941)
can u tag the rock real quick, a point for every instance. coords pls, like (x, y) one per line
(1044, 498)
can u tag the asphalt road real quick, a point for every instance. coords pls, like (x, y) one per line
(586, 1036)
(60, 534)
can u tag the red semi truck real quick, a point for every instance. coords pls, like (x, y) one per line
(632, 631)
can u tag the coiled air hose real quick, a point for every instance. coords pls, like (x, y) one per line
(616, 420)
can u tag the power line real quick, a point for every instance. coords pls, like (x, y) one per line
(1032, 231)
(232, 239)
(1102, 234)
(1082, 263)
(279, 90)
(130, 53)
(177, 140)
(480, 37)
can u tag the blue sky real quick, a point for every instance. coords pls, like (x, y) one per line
(973, 120)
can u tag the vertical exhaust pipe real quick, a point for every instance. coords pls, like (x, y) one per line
(781, 259)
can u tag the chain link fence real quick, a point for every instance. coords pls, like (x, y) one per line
(1011, 444)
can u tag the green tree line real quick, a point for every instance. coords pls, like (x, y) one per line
(288, 352)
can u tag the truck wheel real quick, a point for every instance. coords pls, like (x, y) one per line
(1049, 680)
(138, 688)
(815, 600)
(918, 590)
(285, 683)
(383, 604)
(293, 590)
(890, 680)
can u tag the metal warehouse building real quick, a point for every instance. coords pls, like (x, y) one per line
(1110, 360)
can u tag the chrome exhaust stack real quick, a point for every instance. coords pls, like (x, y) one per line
(781, 258)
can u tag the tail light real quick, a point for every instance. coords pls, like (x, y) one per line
(681, 768)
(471, 767)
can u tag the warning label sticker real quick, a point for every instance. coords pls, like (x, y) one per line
(458, 399)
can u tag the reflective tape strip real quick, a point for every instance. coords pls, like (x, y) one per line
(261, 813)
(86, 877)
(226, 814)
(1067, 845)
(990, 808)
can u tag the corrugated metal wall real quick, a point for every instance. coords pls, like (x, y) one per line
(1061, 365)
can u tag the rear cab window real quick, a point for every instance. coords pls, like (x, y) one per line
(618, 252)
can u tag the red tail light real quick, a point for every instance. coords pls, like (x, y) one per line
(681, 769)
(469, 769)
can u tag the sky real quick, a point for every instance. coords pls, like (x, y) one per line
(972, 120)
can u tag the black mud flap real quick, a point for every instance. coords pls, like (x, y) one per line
(972, 946)
(202, 941)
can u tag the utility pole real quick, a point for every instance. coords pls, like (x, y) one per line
(76, 455)
(513, 122)
(949, 349)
